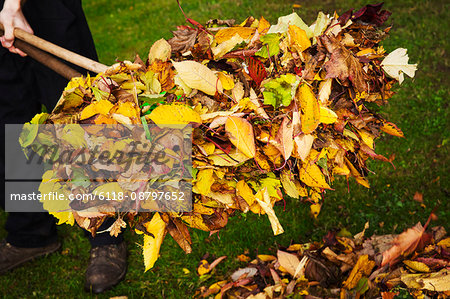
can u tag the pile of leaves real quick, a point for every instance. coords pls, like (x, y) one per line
(380, 266)
(277, 110)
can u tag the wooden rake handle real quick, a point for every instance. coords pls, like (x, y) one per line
(31, 44)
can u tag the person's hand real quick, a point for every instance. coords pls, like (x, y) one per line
(12, 17)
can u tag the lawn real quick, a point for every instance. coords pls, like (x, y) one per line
(123, 28)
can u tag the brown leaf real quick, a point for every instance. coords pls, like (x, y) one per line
(343, 64)
(404, 244)
(183, 40)
(180, 233)
(418, 197)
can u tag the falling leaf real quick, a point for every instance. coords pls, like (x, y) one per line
(152, 244)
(310, 110)
(396, 63)
(263, 198)
(289, 184)
(198, 76)
(240, 132)
(243, 190)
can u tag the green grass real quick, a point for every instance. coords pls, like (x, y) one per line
(123, 28)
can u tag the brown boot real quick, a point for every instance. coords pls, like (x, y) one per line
(12, 256)
(107, 267)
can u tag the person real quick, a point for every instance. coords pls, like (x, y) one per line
(25, 86)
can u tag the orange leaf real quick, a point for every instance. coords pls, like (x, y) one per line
(392, 129)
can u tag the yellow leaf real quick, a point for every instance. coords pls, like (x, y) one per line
(226, 80)
(263, 198)
(310, 111)
(161, 50)
(195, 221)
(327, 116)
(157, 228)
(298, 38)
(226, 46)
(108, 189)
(203, 268)
(198, 76)
(266, 257)
(367, 138)
(204, 181)
(244, 190)
(444, 243)
(234, 158)
(227, 33)
(127, 109)
(201, 209)
(73, 134)
(435, 282)
(240, 132)
(417, 266)
(311, 175)
(289, 184)
(100, 107)
(315, 209)
(263, 26)
(354, 172)
(392, 129)
(174, 114)
(362, 268)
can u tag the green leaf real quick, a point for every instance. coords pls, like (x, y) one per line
(79, 178)
(278, 91)
(271, 41)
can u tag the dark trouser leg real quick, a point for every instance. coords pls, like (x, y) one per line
(30, 230)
